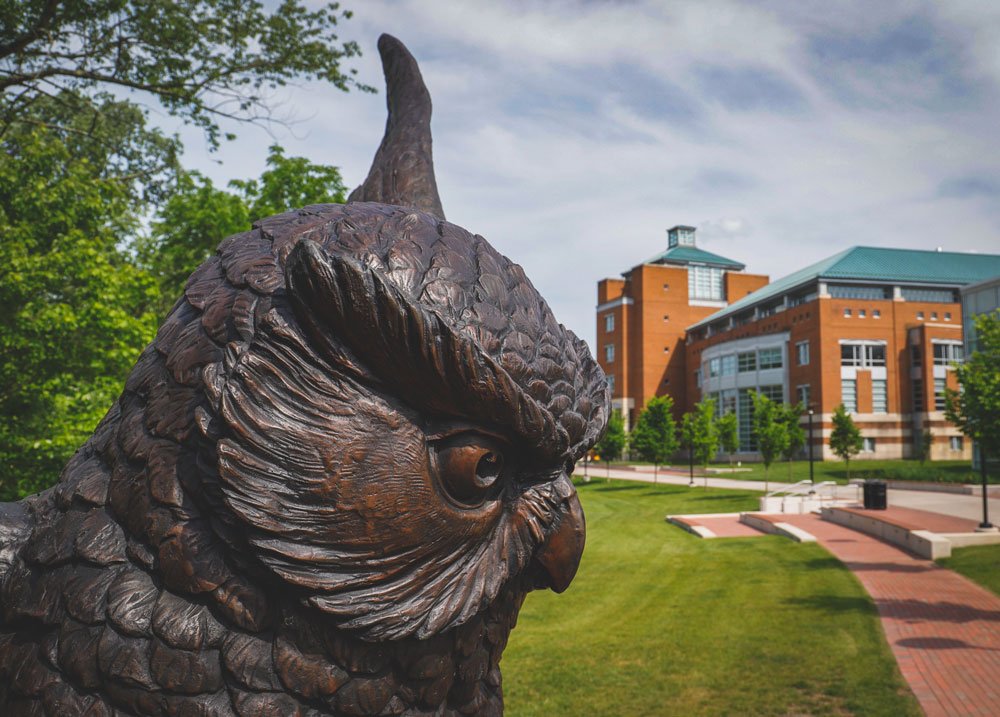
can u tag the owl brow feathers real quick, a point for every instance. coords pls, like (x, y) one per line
(410, 348)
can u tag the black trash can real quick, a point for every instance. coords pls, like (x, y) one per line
(875, 495)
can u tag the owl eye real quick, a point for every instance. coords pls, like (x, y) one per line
(470, 469)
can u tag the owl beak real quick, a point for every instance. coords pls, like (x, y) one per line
(561, 553)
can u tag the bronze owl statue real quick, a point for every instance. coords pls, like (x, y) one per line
(330, 480)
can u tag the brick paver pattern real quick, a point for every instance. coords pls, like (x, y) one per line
(943, 628)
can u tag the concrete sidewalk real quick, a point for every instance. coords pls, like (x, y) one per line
(958, 505)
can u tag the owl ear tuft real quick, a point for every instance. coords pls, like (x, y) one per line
(402, 173)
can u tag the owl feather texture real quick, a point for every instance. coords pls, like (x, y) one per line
(329, 483)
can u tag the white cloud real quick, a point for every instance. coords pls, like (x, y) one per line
(572, 134)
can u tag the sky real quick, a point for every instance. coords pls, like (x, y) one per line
(571, 133)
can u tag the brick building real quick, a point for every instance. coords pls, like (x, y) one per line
(642, 318)
(875, 329)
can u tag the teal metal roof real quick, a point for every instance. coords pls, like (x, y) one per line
(873, 264)
(684, 254)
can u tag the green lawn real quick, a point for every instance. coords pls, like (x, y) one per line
(932, 471)
(659, 622)
(980, 563)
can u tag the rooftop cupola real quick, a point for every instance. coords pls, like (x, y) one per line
(680, 236)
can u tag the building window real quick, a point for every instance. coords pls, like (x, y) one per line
(713, 367)
(609, 352)
(933, 316)
(934, 296)
(769, 358)
(856, 292)
(876, 314)
(920, 316)
(861, 313)
(705, 282)
(947, 316)
(880, 400)
(862, 355)
(747, 361)
(849, 394)
(666, 349)
(940, 398)
(727, 402)
(744, 420)
(956, 443)
(697, 377)
(609, 323)
(802, 352)
(775, 392)
(946, 354)
(666, 317)
(611, 382)
(918, 395)
(847, 312)
(803, 393)
(867, 445)
(915, 356)
(729, 365)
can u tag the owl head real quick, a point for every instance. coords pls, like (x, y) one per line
(383, 414)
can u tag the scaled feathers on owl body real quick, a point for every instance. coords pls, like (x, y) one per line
(257, 526)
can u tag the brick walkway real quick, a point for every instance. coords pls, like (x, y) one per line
(943, 629)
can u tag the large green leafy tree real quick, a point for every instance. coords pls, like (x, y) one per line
(976, 408)
(198, 215)
(80, 168)
(202, 60)
(845, 438)
(76, 310)
(655, 434)
(771, 430)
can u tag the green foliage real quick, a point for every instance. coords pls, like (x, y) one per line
(80, 168)
(845, 439)
(198, 215)
(654, 437)
(612, 443)
(76, 309)
(727, 427)
(976, 408)
(698, 432)
(202, 60)
(923, 447)
(790, 415)
(770, 428)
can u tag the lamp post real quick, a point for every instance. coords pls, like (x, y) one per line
(811, 479)
(691, 464)
(986, 526)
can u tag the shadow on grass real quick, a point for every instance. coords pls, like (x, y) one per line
(720, 496)
(835, 603)
(823, 564)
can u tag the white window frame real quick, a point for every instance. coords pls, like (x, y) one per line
(609, 323)
(802, 353)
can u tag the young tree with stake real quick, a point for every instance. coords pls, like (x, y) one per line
(845, 440)
(655, 435)
(770, 429)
